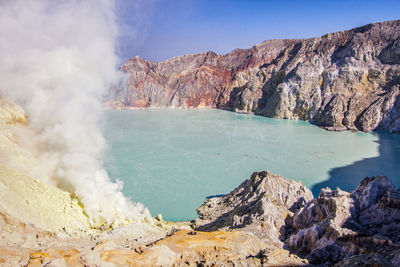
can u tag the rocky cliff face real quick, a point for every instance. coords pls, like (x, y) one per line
(342, 80)
(261, 205)
(337, 227)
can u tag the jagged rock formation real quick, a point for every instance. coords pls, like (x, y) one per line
(338, 224)
(342, 80)
(335, 227)
(260, 205)
(262, 214)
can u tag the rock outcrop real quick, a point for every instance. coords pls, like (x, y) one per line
(260, 205)
(337, 227)
(338, 224)
(342, 80)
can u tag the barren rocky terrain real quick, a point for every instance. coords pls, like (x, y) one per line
(342, 80)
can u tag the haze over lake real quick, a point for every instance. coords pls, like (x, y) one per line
(172, 159)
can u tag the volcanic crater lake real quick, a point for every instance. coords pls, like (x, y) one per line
(172, 159)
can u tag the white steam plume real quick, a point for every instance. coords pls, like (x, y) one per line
(57, 60)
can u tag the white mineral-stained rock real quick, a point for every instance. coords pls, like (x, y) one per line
(338, 225)
(326, 230)
(260, 205)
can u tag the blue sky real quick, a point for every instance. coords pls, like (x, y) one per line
(161, 29)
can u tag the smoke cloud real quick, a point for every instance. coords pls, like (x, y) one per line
(57, 60)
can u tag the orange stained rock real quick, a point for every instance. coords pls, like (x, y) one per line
(120, 257)
(71, 257)
(154, 256)
(13, 256)
(188, 246)
(182, 240)
(38, 259)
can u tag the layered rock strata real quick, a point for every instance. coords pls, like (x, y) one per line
(342, 80)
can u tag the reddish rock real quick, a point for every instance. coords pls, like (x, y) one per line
(343, 80)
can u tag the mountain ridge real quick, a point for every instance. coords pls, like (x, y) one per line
(342, 80)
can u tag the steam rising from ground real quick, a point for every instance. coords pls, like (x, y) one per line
(57, 60)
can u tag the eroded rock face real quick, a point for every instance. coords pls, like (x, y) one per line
(261, 205)
(338, 224)
(335, 227)
(342, 80)
(272, 214)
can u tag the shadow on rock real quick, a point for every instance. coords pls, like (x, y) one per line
(338, 225)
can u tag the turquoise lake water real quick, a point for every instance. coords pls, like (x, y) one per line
(172, 159)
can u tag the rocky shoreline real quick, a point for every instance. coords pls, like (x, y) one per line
(348, 80)
(268, 220)
(338, 227)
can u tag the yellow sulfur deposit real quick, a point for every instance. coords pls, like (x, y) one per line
(44, 206)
